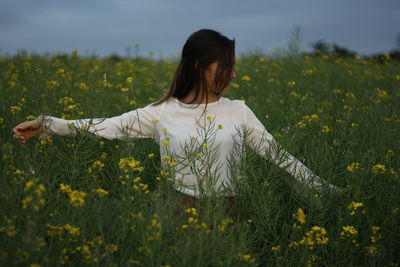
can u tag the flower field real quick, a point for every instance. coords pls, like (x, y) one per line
(81, 200)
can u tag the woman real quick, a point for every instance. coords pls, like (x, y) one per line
(198, 130)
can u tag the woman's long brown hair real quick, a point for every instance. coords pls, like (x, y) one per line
(200, 50)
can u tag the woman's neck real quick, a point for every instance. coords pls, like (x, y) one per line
(212, 97)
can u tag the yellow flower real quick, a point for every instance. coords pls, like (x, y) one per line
(192, 211)
(311, 118)
(246, 257)
(325, 129)
(39, 190)
(245, 78)
(353, 167)
(348, 231)
(347, 107)
(371, 250)
(300, 216)
(375, 229)
(30, 117)
(112, 247)
(72, 230)
(45, 140)
(29, 185)
(316, 236)
(276, 248)
(291, 83)
(77, 198)
(15, 109)
(224, 224)
(82, 86)
(354, 206)
(379, 168)
(155, 223)
(9, 227)
(191, 220)
(234, 85)
(101, 192)
(26, 201)
(126, 163)
(382, 94)
(301, 124)
(60, 71)
(65, 101)
(65, 188)
(52, 84)
(351, 95)
(96, 165)
(314, 117)
(141, 187)
(172, 162)
(308, 71)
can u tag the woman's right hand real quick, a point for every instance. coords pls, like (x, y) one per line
(27, 130)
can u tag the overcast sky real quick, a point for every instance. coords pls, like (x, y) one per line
(110, 26)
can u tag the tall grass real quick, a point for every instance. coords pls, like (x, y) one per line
(85, 201)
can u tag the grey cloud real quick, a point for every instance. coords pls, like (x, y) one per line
(110, 26)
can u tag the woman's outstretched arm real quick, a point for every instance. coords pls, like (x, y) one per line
(259, 139)
(138, 123)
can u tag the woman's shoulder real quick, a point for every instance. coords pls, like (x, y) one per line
(226, 100)
(238, 104)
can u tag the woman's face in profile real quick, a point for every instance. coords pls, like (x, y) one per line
(210, 74)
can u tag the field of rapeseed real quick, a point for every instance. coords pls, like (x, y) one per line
(85, 201)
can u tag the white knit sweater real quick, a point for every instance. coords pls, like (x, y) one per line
(197, 145)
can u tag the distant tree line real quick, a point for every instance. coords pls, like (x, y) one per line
(322, 47)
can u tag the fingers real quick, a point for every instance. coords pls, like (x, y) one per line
(20, 138)
(26, 130)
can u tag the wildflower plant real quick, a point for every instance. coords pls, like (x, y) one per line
(200, 155)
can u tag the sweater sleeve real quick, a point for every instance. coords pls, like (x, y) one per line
(138, 123)
(264, 144)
